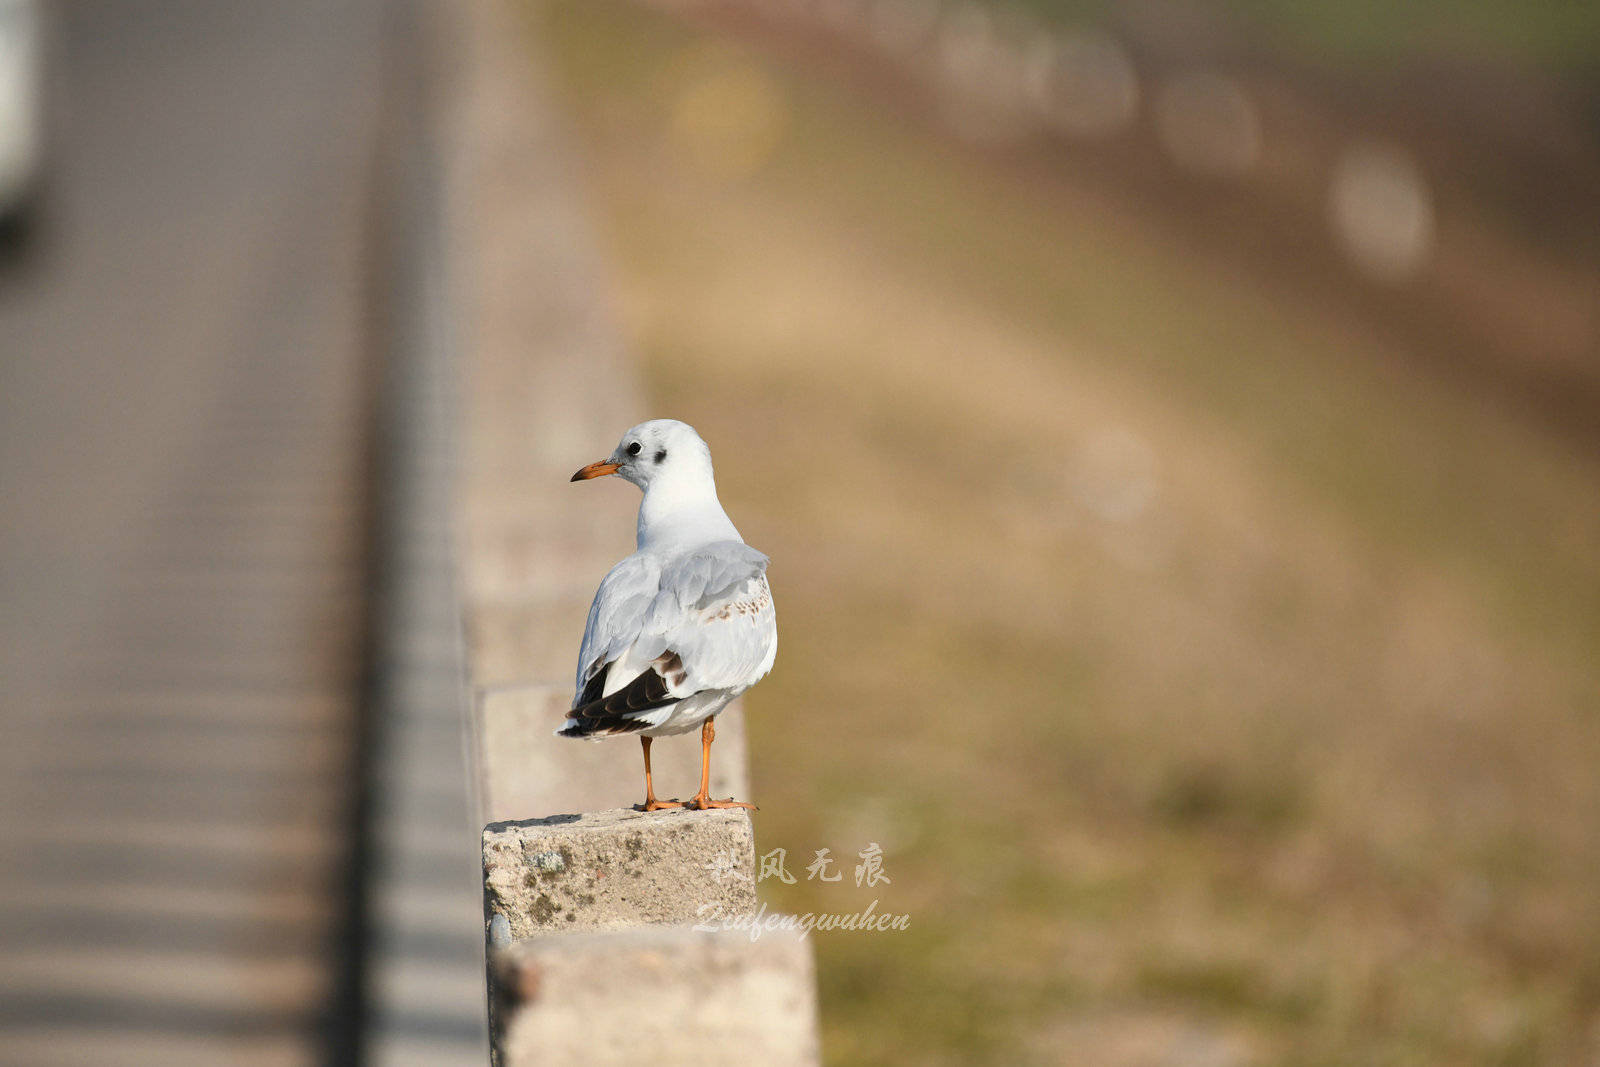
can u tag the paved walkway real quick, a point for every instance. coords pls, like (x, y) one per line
(184, 414)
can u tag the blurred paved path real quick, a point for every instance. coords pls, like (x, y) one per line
(183, 421)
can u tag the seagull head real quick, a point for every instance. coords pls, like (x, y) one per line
(661, 452)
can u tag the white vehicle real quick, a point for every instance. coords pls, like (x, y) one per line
(21, 107)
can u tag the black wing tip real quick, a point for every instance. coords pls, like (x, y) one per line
(596, 716)
(593, 728)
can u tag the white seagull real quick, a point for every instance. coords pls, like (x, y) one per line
(686, 623)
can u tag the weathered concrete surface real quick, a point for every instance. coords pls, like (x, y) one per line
(528, 770)
(549, 384)
(615, 869)
(549, 387)
(672, 995)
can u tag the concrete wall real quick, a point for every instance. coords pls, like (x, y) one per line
(589, 905)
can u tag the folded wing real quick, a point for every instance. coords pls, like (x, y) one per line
(656, 635)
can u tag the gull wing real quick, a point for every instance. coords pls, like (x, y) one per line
(659, 634)
(615, 619)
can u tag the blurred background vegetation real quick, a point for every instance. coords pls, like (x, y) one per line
(1174, 428)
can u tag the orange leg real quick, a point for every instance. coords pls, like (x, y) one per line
(650, 801)
(702, 800)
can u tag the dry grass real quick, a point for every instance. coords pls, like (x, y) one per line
(1220, 691)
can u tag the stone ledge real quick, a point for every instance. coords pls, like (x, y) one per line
(614, 869)
(663, 995)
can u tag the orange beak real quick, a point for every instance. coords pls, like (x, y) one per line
(596, 470)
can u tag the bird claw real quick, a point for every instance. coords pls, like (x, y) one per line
(703, 803)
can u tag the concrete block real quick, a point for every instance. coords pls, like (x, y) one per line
(664, 995)
(528, 771)
(616, 869)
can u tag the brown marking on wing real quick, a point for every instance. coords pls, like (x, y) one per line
(750, 606)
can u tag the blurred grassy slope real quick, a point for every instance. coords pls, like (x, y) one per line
(1211, 680)
(1560, 35)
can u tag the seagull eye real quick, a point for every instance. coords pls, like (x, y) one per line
(633, 449)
